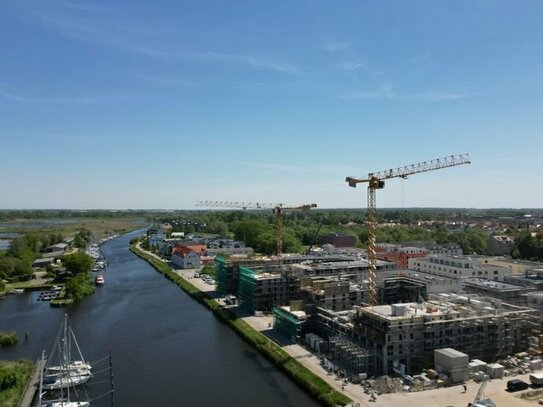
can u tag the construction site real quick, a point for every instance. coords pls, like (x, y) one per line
(390, 319)
(401, 338)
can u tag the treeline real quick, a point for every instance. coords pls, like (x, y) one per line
(402, 215)
(16, 262)
(257, 229)
(8, 215)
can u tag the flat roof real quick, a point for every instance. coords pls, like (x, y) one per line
(494, 285)
(450, 352)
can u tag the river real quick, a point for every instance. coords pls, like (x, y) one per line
(167, 349)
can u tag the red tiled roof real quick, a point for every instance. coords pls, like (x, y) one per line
(198, 248)
(181, 250)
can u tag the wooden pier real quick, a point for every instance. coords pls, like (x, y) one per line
(33, 385)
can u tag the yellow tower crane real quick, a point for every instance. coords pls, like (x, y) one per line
(376, 181)
(278, 210)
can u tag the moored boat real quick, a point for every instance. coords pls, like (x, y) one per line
(65, 403)
(77, 365)
(99, 280)
(70, 371)
(65, 380)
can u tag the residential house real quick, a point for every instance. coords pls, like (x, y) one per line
(185, 258)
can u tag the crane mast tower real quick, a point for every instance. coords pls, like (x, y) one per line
(375, 181)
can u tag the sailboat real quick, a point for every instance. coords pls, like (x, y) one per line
(63, 401)
(71, 371)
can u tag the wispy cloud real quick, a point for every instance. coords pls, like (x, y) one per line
(422, 57)
(168, 81)
(348, 60)
(335, 47)
(78, 6)
(279, 167)
(62, 100)
(386, 91)
(257, 61)
(353, 65)
(99, 25)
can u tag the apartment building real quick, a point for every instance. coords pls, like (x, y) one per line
(459, 267)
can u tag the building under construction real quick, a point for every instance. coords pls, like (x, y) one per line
(401, 338)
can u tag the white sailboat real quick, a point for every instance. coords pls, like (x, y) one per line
(64, 380)
(63, 401)
(71, 370)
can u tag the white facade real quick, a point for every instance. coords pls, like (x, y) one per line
(155, 238)
(189, 260)
(458, 267)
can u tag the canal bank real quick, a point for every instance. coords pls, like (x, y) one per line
(167, 349)
(310, 382)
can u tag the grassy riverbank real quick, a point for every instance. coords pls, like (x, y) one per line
(13, 379)
(312, 383)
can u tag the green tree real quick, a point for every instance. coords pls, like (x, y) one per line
(78, 287)
(78, 263)
(249, 231)
(13, 268)
(20, 249)
(527, 245)
(80, 242)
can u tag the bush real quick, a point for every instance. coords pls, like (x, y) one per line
(13, 379)
(8, 339)
(8, 379)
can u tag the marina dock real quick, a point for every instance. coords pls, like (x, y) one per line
(32, 385)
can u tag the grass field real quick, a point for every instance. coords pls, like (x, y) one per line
(13, 379)
(69, 227)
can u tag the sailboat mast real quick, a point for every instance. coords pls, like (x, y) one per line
(111, 378)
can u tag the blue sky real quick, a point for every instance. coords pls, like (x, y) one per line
(158, 104)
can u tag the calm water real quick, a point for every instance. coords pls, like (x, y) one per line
(167, 349)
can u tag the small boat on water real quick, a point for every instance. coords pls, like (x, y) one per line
(65, 403)
(49, 295)
(99, 280)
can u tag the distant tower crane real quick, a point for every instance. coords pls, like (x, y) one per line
(376, 181)
(278, 209)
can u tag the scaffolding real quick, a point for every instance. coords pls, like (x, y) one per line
(287, 324)
(247, 289)
(348, 356)
(222, 276)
